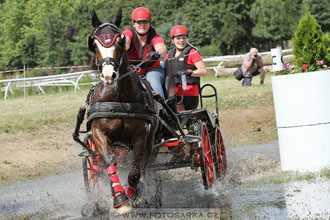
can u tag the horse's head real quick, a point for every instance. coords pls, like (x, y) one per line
(109, 46)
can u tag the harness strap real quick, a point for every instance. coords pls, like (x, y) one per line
(108, 61)
(119, 110)
(114, 107)
(125, 74)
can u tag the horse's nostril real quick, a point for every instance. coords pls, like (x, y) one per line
(114, 75)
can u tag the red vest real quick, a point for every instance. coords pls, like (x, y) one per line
(137, 53)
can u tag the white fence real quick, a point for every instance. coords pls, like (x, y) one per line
(69, 79)
(72, 79)
(222, 59)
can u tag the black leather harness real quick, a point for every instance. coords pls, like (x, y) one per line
(143, 111)
(119, 110)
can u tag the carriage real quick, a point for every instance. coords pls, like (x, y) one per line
(192, 138)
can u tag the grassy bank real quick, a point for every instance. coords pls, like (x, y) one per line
(35, 112)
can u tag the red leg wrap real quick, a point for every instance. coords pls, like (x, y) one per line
(114, 178)
(120, 197)
(112, 169)
(117, 189)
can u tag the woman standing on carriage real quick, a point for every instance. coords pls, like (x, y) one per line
(143, 42)
(188, 61)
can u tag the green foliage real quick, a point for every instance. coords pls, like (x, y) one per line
(310, 45)
(275, 20)
(11, 33)
(234, 25)
(76, 35)
(209, 50)
(320, 9)
(52, 33)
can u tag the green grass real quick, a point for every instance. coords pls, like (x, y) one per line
(232, 95)
(55, 109)
(19, 92)
(296, 176)
(34, 112)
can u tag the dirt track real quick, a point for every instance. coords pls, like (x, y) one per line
(62, 196)
(250, 190)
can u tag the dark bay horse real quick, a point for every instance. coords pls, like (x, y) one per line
(122, 110)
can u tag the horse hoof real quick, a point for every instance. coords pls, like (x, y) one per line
(124, 209)
(102, 206)
(88, 209)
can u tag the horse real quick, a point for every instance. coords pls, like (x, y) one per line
(122, 110)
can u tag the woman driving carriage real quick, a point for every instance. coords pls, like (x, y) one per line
(190, 62)
(143, 42)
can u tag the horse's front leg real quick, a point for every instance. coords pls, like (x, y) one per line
(120, 201)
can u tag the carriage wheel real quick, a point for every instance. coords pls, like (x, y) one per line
(93, 174)
(206, 160)
(220, 160)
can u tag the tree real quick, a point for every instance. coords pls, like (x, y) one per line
(233, 25)
(12, 25)
(320, 9)
(275, 20)
(76, 34)
(50, 33)
(28, 51)
(309, 43)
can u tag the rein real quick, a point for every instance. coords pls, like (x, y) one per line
(116, 65)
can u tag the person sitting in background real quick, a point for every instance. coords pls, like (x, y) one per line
(190, 63)
(252, 66)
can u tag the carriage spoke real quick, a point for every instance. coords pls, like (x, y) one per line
(207, 164)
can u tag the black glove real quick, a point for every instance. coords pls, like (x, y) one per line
(187, 73)
(153, 55)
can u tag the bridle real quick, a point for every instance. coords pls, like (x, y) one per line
(106, 60)
(113, 29)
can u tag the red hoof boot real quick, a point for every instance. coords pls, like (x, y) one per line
(119, 196)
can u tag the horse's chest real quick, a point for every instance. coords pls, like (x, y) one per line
(127, 128)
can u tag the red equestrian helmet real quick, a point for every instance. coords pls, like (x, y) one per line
(141, 13)
(179, 30)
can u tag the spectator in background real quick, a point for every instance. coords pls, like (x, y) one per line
(252, 66)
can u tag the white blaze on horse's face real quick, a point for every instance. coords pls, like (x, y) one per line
(108, 74)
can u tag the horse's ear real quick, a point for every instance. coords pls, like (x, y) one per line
(95, 20)
(117, 19)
